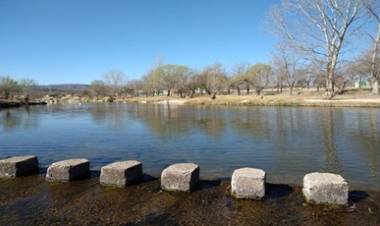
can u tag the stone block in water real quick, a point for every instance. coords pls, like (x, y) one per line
(248, 183)
(120, 174)
(180, 177)
(325, 188)
(18, 166)
(68, 170)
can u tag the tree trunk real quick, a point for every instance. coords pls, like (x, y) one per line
(258, 92)
(375, 87)
(168, 93)
(238, 91)
(6, 94)
(247, 90)
(192, 93)
(213, 96)
(290, 90)
(26, 99)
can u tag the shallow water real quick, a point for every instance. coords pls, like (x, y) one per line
(32, 201)
(287, 142)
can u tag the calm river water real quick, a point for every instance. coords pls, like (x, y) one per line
(287, 142)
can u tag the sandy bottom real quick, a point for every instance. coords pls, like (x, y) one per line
(32, 201)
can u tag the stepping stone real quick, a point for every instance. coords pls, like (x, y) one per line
(180, 177)
(121, 174)
(248, 183)
(68, 170)
(18, 166)
(325, 188)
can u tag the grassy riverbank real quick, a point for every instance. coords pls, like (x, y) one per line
(348, 100)
(32, 201)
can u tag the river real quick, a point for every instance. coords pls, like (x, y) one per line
(287, 142)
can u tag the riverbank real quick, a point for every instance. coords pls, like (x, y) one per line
(12, 104)
(354, 100)
(32, 201)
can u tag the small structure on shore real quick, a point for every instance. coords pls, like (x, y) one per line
(180, 177)
(18, 166)
(248, 183)
(68, 170)
(325, 188)
(121, 174)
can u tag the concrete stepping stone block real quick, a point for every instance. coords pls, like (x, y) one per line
(68, 170)
(248, 183)
(18, 166)
(121, 174)
(180, 177)
(325, 188)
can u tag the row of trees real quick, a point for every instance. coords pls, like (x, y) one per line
(10, 87)
(170, 79)
(316, 42)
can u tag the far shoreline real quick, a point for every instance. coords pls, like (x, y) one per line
(311, 99)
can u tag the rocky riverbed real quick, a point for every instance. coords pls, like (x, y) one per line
(32, 201)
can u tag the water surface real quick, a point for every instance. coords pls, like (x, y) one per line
(286, 142)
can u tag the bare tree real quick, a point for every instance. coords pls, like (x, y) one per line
(214, 79)
(98, 88)
(258, 76)
(286, 64)
(8, 86)
(27, 86)
(134, 87)
(173, 77)
(319, 28)
(115, 80)
(239, 78)
(373, 9)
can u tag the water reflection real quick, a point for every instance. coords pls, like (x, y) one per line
(11, 119)
(287, 142)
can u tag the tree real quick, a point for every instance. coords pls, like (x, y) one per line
(258, 76)
(115, 80)
(8, 86)
(287, 66)
(133, 87)
(173, 77)
(213, 79)
(239, 78)
(153, 82)
(373, 9)
(193, 83)
(98, 88)
(319, 28)
(27, 87)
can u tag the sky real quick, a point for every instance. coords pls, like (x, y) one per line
(72, 41)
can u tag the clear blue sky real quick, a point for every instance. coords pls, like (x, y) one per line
(76, 41)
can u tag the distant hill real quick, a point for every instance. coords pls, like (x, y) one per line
(65, 87)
